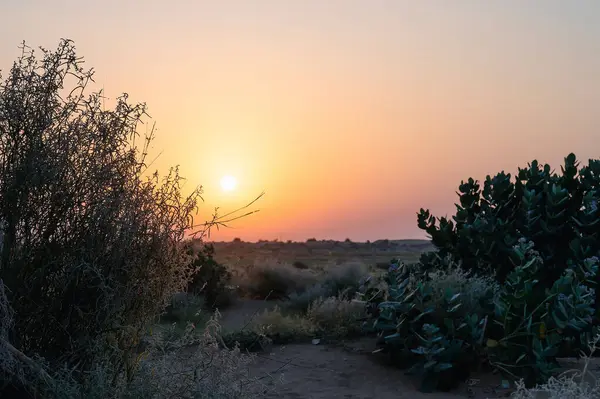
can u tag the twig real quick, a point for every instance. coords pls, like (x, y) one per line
(26, 359)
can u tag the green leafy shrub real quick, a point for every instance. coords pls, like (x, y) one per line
(433, 324)
(559, 212)
(210, 279)
(548, 302)
(534, 323)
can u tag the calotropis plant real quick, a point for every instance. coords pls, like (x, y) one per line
(532, 323)
(537, 234)
(559, 212)
(431, 336)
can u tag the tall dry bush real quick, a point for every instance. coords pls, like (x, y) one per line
(91, 249)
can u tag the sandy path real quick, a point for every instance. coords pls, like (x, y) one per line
(319, 372)
(330, 372)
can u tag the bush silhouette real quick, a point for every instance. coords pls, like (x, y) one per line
(91, 246)
(210, 278)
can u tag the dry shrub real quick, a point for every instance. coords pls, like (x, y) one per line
(382, 265)
(283, 328)
(92, 243)
(185, 308)
(194, 366)
(301, 301)
(329, 318)
(337, 279)
(345, 277)
(337, 317)
(300, 265)
(9, 365)
(274, 280)
(173, 365)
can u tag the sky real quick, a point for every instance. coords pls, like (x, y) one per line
(350, 115)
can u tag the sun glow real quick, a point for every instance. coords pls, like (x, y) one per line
(228, 183)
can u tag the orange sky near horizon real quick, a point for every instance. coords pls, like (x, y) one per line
(350, 115)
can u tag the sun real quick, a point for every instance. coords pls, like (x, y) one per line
(228, 183)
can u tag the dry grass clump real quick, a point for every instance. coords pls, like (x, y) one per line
(319, 305)
(283, 328)
(184, 309)
(195, 366)
(329, 318)
(572, 384)
(337, 279)
(272, 280)
(6, 323)
(336, 317)
(173, 365)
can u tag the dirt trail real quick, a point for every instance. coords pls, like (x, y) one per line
(320, 372)
(330, 372)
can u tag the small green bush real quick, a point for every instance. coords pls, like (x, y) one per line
(534, 324)
(431, 324)
(210, 279)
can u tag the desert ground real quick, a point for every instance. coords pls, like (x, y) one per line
(302, 361)
(319, 254)
(345, 369)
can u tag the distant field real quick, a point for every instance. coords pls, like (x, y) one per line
(319, 254)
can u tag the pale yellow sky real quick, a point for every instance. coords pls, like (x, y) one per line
(351, 115)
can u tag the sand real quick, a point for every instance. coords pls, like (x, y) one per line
(349, 371)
